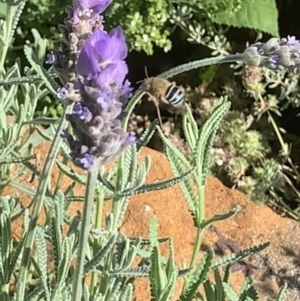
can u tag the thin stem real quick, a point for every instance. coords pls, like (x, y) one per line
(85, 230)
(38, 202)
(98, 221)
(201, 218)
(282, 206)
(202, 63)
(117, 201)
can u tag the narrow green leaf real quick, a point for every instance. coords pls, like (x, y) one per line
(71, 173)
(3, 295)
(141, 271)
(96, 261)
(34, 62)
(42, 261)
(147, 135)
(281, 293)
(233, 257)
(18, 9)
(126, 293)
(198, 277)
(220, 217)
(230, 293)
(157, 186)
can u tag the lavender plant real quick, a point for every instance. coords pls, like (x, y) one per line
(98, 102)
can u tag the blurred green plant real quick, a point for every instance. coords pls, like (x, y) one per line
(148, 23)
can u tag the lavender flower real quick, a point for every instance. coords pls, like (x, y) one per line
(92, 69)
(275, 54)
(96, 118)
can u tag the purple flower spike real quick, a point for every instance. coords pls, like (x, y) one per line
(92, 69)
(275, 54)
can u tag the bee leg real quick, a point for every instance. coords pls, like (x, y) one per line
(156, 103)
(158, 114)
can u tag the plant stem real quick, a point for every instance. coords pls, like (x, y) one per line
(201, 218)
(202, 63)
(85, 230)
(98, 221)
(117, 201)
(38, 203)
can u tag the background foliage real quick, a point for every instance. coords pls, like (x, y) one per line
(146, 23)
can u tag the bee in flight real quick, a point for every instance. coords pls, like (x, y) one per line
(161, 90)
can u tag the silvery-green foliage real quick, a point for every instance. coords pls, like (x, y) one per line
(241, 154)
(163, 276)
(214, 290)
(247, 292)
(200, 145)
(9, 253)
(18, 103)
(112, 259)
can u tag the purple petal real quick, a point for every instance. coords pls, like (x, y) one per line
(118, 44)
(105, 99)
(109, 47)
(97, 5)
(85, 161)
(131, 139)
(87, 65)
(112, 75)
(62, 93)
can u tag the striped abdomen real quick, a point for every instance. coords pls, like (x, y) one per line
(174, 96)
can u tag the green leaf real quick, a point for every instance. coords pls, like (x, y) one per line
(3, 295)
(261, 15)
(34, 62)
(230, 293)
(100, 255)
(71, 173)
(157, 186)
(127, 292)
(17, 9)
(3, 8)
(234, 257)
(42, 261)
(281, 293)
(220, 217)
(199, 277)
(204, 143)
(147, 135)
